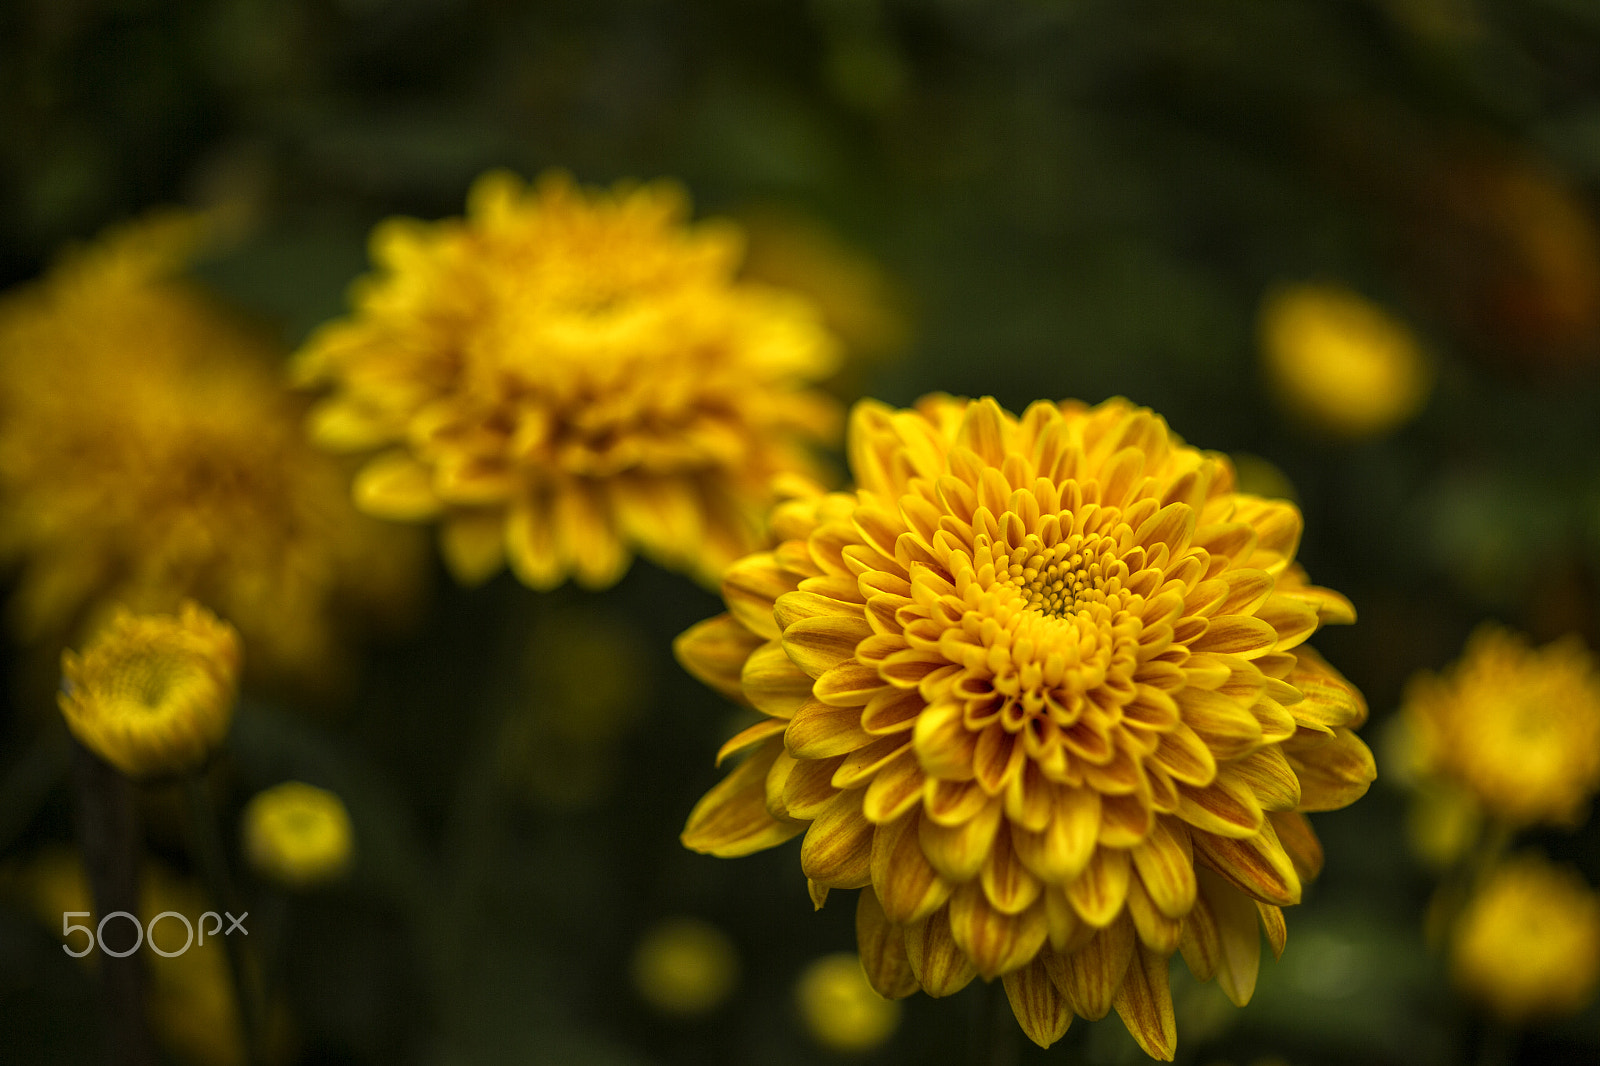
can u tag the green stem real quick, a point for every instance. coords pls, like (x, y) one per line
(214, 868)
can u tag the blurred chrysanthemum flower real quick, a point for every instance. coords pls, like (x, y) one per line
(565, 376)
(1528, 943)
(840, 1009)
(1340, 362)
(1518, 727)
(685, 967)
(297, 834)
(153, 694)
(149, 451)
(1039, 687)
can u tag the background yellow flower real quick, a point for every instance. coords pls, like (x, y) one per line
(1039, 687)
(1517, 726)
(1528, 942)
(565, 377)
(149, 452)
(297, 834)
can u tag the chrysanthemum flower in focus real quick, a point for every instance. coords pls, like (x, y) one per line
(297, 834)
(1340, 362)
(1517, 726)
(1039, 687)
(840, 1009)
(153, 694)
(149, 451)
(1528, 943)
(567, 376)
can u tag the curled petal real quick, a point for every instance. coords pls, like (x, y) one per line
(732, 818)
(715, 652)
(1165, 862)
(959, 851)
(1299, 842)
(837, 850)
(1098, 893)
(997, 943)
(1334, 771)
(1063, 848)
(1239, 958)
(940, 967)
(1257, 866)
(820, 643)
(1094, 972)
(772, 683)
(1144, 1003)
(909, 888)
(751, 586)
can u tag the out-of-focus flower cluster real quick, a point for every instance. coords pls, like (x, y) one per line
(149, 452)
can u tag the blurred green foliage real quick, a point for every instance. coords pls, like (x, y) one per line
(1079, 198)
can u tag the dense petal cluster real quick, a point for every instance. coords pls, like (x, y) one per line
(153, 694)
(1528, 942)
(149, 452)
(1038, 686)
(564, 377)
(1518, 727)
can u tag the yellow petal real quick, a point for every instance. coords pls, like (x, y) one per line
(1155, 930)
(895, 789)
(1225, 724)
(909, 888)
(940, 967)
(996, 943)
(585, 535)
(883, 949)
(958, 852)
(772, 683)
(1268, 776)
(1225, 807)
(819, 644)
(396, 486)
(945, 746)
(806, 785)
(745, 738)
(1094, 972)
(715, 652)
(1010, 888)
(1334, 771)
(1144, 1002)
(837, 850)
(1098, 893)
(818, 731)
(751, 586)
(1257, 865)
(850, 684)
(531, 546)
(474, 545)
(1273, 925)
(1165, 862)
(1299, 842)
(732, 818)
(1328, 700)
(1201, 942)
(1040, 1007)
(1060, 853)
(1237, 920)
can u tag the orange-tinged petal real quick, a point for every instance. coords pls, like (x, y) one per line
(1227, 726)
(1201, 942)
(715, 652)
(1268, 776)
(997, 943)
(807, 787)
(1040, 1007)
(1226, 807)
(1144, 1003)
(940, 967)
(1329, 701)
(850, 684)
(732, 818)
(895, 789)
(882, 946)
(1095, 971)
(1155, 930)
(837, 850)
(1256, 865)
(1273, 925)
(1299, 842)
(1011, 889)
(1098, 893)
(1237, 634)
(945, 746)
(1334, 771)
(909, 888)
(1165, 862)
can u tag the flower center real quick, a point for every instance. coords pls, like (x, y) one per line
(1059, 581)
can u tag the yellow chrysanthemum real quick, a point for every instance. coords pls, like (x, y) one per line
(1342, 363)
(297, 834)
(1528, 943)
(150, 452)
(1517, 726)
(566, 376)
(1038, 686)
(153, 694)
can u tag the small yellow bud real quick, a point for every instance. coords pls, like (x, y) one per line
(685, 967)
(153, 694)
(297, 834)
(839, 1007)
